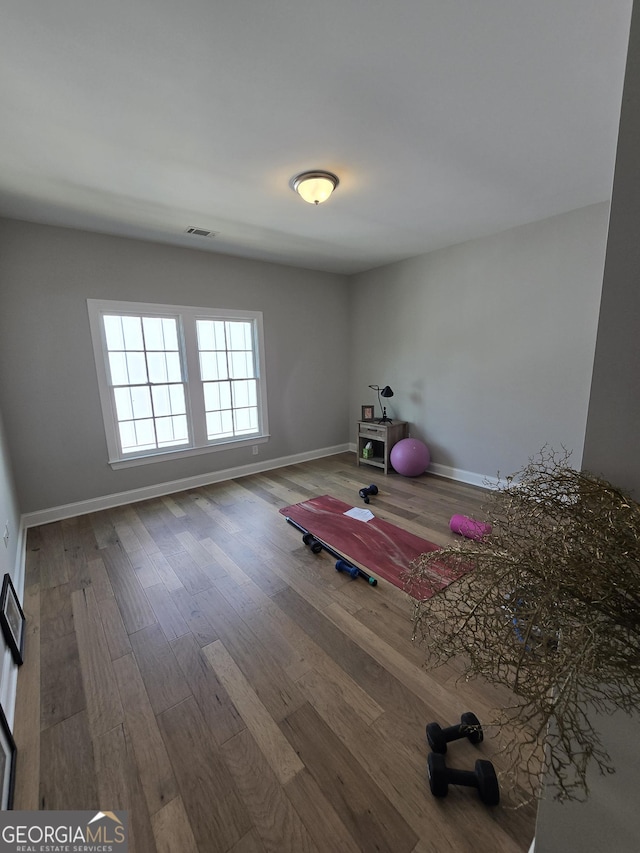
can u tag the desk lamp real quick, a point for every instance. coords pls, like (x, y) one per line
(383, 392)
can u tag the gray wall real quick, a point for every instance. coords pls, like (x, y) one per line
(48, 380)
(488, 345)
(612, 443)
(610, 820)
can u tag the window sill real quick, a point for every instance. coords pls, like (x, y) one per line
(169, 455)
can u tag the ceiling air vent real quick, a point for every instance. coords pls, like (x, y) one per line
(200, 232)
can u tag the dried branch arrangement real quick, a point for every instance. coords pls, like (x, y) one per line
(550, 608)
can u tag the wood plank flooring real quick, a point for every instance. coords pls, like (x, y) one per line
(188, 659)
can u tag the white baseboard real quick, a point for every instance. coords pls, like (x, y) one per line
(463, 476)
(57, 513)
(458, 474)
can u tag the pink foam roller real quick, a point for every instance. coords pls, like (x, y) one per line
(469, 527)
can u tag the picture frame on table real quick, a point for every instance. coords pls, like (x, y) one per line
(7, 763)
(367, 413)
(12, 619)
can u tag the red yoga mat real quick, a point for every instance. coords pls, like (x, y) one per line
(376, 545)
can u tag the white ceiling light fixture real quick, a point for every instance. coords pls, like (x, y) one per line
(315, 187)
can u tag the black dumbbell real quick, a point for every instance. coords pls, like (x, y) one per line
(469, 727)
(483, 778)
(368, 490)
(311, 542)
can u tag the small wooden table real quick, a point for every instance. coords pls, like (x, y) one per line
(382, 436)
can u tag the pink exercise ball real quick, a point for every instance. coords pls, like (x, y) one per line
(410, 457)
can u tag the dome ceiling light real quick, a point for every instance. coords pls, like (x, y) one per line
(315, 187)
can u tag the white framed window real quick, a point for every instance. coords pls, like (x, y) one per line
(175, 380)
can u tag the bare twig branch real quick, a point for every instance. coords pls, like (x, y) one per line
(549, 606)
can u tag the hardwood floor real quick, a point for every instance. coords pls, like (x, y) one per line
(189, 660)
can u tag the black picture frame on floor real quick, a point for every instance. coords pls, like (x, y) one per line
(12, 619)
(7, 763)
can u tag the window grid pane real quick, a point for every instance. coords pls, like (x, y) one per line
(132, 331)
(245, 393)
(127, 436)
(171, 431)
(241, 365)
(211, 335)
(217, 396)
(168, 400)
(239, 336)
(113, 332)
(136, 368)
(228, 375)
(157, 366)
(246, 421)
(153, 336)
(147, 381)
(213, 365)
(141, 402)
(145, 433)
(219, 425)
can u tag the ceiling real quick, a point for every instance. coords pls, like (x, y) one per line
(445, 120)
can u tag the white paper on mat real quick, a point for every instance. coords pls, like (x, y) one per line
(359, 513)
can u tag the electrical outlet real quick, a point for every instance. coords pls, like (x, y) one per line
(254, 449)
(5, 537)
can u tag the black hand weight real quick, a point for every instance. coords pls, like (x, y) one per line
(483, 777)
(366, 491)
(469, 727)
